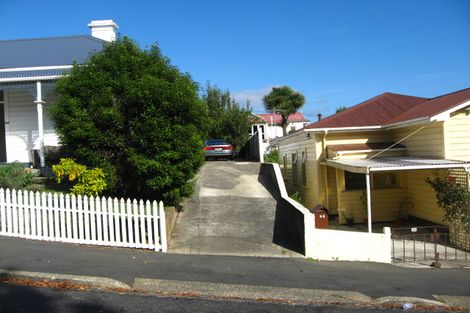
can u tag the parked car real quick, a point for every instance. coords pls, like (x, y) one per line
(218, 148)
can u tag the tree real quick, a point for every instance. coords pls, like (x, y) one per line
(136, 116)
(453, 198)
(227, 119)
(341, 108)
(285, 101)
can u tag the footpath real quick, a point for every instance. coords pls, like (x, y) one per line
(229, 277)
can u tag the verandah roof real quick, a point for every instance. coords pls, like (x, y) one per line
(395, 164)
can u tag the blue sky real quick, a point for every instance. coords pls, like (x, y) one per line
(337, 53)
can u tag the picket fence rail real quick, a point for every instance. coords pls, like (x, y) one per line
(84, 220)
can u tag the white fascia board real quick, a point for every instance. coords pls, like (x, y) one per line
(419, 167)
(345, 167)
(366, 151)
(36, 68)
(444, 116)
(413, 122)
(343, 129)
(29, 79)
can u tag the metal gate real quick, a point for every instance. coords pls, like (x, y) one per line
(426, 243)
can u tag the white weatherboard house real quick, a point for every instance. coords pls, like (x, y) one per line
(28, 70)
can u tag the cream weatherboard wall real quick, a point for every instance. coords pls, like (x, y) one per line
(21, 129)
(427, 141)
(457, 136)
(293, 170)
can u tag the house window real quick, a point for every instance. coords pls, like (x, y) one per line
(354, 181)
(294, 168)
(304, 168)
(1, 96)
(385, 180)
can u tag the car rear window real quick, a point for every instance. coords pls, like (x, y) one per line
(213, 142)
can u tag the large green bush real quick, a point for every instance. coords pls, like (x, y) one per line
(136, 116)
(14, 176)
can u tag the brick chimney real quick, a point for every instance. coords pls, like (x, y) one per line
(104, 29)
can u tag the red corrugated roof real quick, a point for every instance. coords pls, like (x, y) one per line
(391, 108)
(434, 106)
(373, 112)
(276, 118)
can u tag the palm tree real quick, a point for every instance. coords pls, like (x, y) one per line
(285, 101)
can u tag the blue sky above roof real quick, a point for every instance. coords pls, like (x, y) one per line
(337, 53)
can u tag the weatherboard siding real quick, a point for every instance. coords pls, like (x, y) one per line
(308, 192)
(457, 136)
(21, 130)
(427, 142)
(423, 197)
(357, 137)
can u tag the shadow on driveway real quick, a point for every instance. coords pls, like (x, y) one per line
(288, 224)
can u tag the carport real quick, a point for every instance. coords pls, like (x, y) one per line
(389, 164)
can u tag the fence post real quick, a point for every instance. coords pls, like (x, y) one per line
(2, 211)
(155, 225)
(117, 225)
(149, 224)
(130, 232)
(21, 212)
(135, 210)
(122, 216)
(142, 224)
(68, 218)
(163, 227)
(74, 218)
(14, 208)
(38, 219)
(50, 217)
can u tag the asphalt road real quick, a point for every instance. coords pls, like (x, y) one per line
(21, 299)
(372, 279)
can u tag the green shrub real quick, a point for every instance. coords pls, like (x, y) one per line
(272, 156)
(14, 176)
(136, 116)
(296, 196)
(79, 179)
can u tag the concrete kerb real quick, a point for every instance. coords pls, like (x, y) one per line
(91, 281)
(217, 290)
(233, 291)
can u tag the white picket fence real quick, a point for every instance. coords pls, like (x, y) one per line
(81, 219)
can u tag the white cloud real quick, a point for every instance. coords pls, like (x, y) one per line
(255, 96)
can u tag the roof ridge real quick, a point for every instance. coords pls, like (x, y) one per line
(450, 93)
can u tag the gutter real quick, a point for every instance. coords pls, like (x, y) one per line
(26, 79)
(342, 129)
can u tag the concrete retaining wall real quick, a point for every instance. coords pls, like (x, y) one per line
(330, 244)
(327, 244)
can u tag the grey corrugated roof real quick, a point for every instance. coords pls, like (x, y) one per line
(48, 51)
(394, 164)
(36, 73)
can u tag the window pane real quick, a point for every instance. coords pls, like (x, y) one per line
(354, 181)
(385, 180)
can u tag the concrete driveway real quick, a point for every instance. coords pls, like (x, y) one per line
(231, 213)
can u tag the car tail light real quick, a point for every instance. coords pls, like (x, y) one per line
(208, 148)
